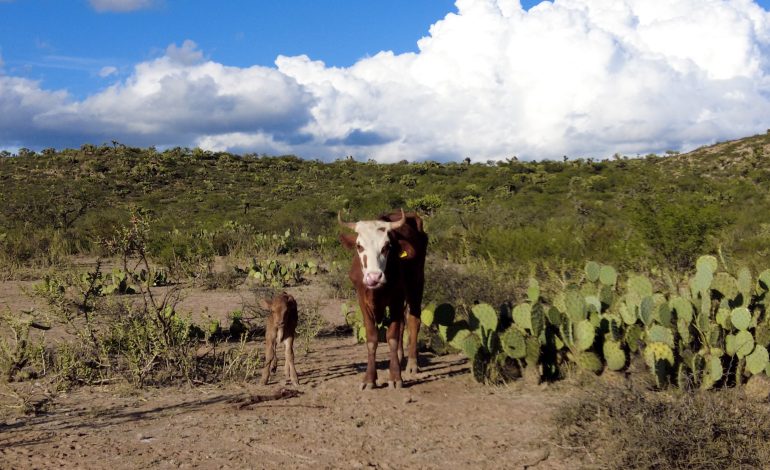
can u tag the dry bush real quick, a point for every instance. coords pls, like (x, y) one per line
(621, 426)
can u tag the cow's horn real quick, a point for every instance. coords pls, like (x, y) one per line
(350, 225)
(398, 223)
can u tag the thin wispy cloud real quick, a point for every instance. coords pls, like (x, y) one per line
(121, 6)
(107, 71)
(574, 77)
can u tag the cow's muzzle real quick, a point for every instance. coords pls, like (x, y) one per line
(374, 280)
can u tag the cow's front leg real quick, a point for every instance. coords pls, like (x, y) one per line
(370, 379)
(394, 331)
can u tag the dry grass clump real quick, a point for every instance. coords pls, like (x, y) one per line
(617, 426)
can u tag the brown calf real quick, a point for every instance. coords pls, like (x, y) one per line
(281, 325)
(388, 270)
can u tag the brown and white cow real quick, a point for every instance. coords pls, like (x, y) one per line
(281, 326)
(388, 270)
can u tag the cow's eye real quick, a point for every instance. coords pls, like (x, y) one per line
(359, 248)
(385, 249)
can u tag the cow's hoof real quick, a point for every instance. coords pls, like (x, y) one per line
(395, 384)
(368, 386)
(411, 367)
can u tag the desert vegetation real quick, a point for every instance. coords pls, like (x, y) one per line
(666, 323)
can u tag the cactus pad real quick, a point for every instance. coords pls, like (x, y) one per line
(707, 263)
(584, 335)
(627, 313)
(645, 310)
(513, 343)
(757, 361)
(486, 315)
(575, 305)
(740, 318)
(614, 355)
(726, 285)
(640, 285)
(660, 334)
(658, 352)
(608, 276)
(682, 307)
(428, 315)
(533, 291)
(592, 270)
(470, 346)
(744, 344)
(712, 373)
(522, 316)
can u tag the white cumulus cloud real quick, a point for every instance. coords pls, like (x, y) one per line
(174, 100)
(574, 77)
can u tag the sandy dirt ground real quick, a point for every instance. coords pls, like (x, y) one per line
(441, 419)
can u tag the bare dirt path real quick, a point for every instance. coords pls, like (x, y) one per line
(441, 420)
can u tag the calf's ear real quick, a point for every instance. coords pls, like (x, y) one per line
(407, 250)
(348, 240)
(264, 304)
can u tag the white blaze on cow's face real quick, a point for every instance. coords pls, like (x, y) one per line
(372, 246)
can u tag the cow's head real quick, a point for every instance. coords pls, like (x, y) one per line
(372, 242)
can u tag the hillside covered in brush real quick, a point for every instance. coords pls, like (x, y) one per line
(632, 212)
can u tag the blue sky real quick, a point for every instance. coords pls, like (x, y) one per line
(492, 79)
(68, 45)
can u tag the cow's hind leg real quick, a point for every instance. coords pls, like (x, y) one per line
(413, 323)
(291, 372)
(401, 345)
(395, 341)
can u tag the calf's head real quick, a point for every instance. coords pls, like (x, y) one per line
(281, 306)
(373, 241)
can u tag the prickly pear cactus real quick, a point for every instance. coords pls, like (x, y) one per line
(486, 315)
(592, 270)
(614, 355)
(740, 318)
(757, 361)
(584, 335)
(725, 285)
(513, 343)
(522, 316)
(608, 276)
(589, 361)
(428, 315)
(533, 291)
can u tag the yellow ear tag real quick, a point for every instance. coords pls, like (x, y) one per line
(403, 254)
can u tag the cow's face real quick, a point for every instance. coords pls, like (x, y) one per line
(372, 244)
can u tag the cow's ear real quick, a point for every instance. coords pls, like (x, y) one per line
(348, 240)
(264, 304)
(407, 250)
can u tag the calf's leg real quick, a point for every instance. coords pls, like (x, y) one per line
(291, 372)
(270, 358)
